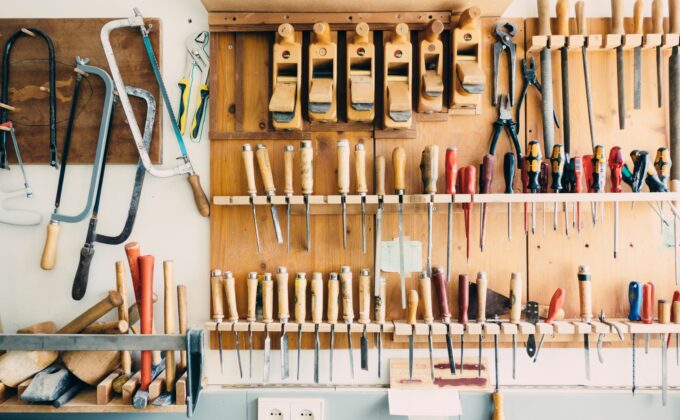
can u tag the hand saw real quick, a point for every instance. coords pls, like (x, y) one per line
(197, 58)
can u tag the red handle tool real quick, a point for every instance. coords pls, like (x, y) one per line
(468, 182)
(146, 314)
(555, 305)
(451, 169)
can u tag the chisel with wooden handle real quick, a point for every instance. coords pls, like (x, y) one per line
(429, 169)
(182, 315)
(306, 181)
(284, 315)
(251, 284)
(123, 315)
(380, 304)
(232, 313)
(411, 320)
(332, 315)
(249, 166)
(268, 181)
(217, 307)
(482, 284)
(362, 187)
(288, 190)
(267, 318)
(425, 286)
(586, 311)
(380, 192)
(399, 166)
(316, 288)
(547, 107)
(169, 321)
(515, 312)
(347, 309)
(343, 184)
(463, 302)
(364, 312)
(441, 285)
(300, 311)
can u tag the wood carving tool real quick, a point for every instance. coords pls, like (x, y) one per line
(343, 184)
(547, 107)
(557, 172)
(586, 311)
(182, 317)
(217, 314)
(634, 314)
(515, 312)
(468, 78)
(451, 173)
(482, 283)
(137, 21)
(533, 165)
(468, 182)
(332, 314)
(504, 33)
(300, 311)
(442, 288)
(362, 187)
(251, 284)
(347, 310)
(146, 263)
(13, 216)
(582, 29)
(285, 104)
(411, 320)
(380, 309)
(197, 46)
(360, 74)
(364, 312)
(284, 314)
(664, 318)
(288, 190)
(397, 77)
(509, 177)
(249, 166)
(316, 288)
(429, 169)
(229, 284)
(616, 28)
(615, 162)
(600, 337)
(306, 181)
(463, 302)
(556, 302)
(562, 12)
(638, 21)
(425, 287)
(269, 188)
(323, 74)
(431, 64)
(485, 179)
(399, 166)
(657, 28)
(377, 245)
(267, 314)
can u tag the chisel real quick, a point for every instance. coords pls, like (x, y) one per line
(616, 166)
(546, 76)
(463, 302)
(399, 166)
(647, 308)
(362, 187)
(347, 310)
(485, 179)
(515, 311)
(509, 176)
(217, 308)
(284, 315)
(657, 28)
(441, 286)
(380, 318)
(316, 288)
(332, 315)
(451, 172)
(411, 320)
(429, 169)
(664, 318)
(343, 184)
(364, 312)
(634, 314)
(306, 181)
(268, 182)
(380, 192)
(425, 286)
(232, 310)
(267, 315)
(482, 283)
(586, 312)
(288, 189)
(562, 12)
(249, 166)
(251, 284)
(638, 20)
(582, 29)
(617, 29)
(555, 305)
(300, 311)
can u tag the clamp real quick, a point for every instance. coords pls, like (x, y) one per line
(530, 79)
(505, 121)
(504, 33)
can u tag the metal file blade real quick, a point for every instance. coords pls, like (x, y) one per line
(364, 350)
(316, 353)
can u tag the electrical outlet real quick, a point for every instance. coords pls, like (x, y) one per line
(273, 409)
(306, 409)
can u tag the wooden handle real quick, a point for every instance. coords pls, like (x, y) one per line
(45, 327)
(429, 168)
(498, 406)
(306, 168)
(300, 298)
(581, 22)
(282, 290)
(249, 166)
(201, 200)
(400, 35)
(360, 167)
(585, 293)
(463, 298)
(287, 33)
(316, 288)
(346, 291)
(441, 286)
(96, 311)
(380, 303)
(322, 33)
(617, 18)
(544, 17)
(638, 16)
(132, 252)
(182, 315)
(361, 32)
(433, 29)
(412, 307)
(288, 161)
(380, 175)
(251, 284)
(469, 19)
(482, 283)
(169, 321)
(343, 166)
(657, 16)
(230, 296)
(333, 293)
(265, 169)
(425, 287)
(123, 315)
(515, 297)
(49, 254)
(364, 296)
(112, 327)
(675, 312)
(664, 312)
(674, 16)
(146, 263)
(267, 298)
(217, 304)
(399, 166)
(562, 9)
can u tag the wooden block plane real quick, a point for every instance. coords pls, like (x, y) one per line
(323, 69)
(286, 80)
(360, 74)
(468, 77)
(397, 78)
(431, 64)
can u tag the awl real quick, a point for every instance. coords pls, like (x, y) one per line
(451, 173)
(288, 190)
(463, 302)
(251, 284)
(482, 283)
(232, 311)
(332, 315)
(343, 184)
(217, 305)
(586, 312)
(362, 187)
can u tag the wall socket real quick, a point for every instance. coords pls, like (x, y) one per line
(289, 409)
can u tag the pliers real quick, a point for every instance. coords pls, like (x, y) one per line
(601, 336)
(505, 121)
(197, 58)
(504, 33)
(529, 75)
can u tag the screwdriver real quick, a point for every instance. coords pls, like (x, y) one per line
(380, 317)
(316, 288)
(482, 283)
(284, 314)
(380, 192)
(362, 187)
(615, 167)
(411, 320)
(441, 286)
(306, 181)
(599, 176)
(647, 308)
(485, 179)
(557, 170)
(468, 182)
(515, 311)
(533, 165)
(288, 190)
(364, 312)
(463, 303)
(343, 184)
(332, 314)
(525, 189)
(543, 182)
(577, 163)
(268, 181)
(251, 284)
(399, 167)
(429, 170)
(509, 175)
(425, 287)
(556, 302)
(451, 173)
(248, 164)
(300, 311)
(347, 309)
(634, 314)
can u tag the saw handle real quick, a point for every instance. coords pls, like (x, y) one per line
(657, 16)
(441, 286)
(343, 166)
(288, 162)
(425, 287)
(380, 176)
(617, 18)
(451, 169)
(515, 298)
(562, 11)
(635, 301)
(82, 276)
(252, 284)
(360, 168)
(482, 284)
(463, 298)
(282, 290)
(364, 297)
(49, 254)
(306, 168)
(300, 298)
(316, 288)
(556, 302)
(201, 200)
(544, 17)
(229, 284)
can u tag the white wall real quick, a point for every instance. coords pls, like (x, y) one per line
(169, 228)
